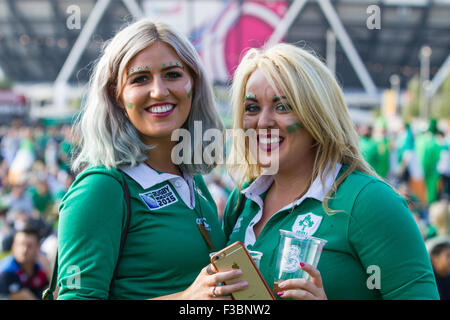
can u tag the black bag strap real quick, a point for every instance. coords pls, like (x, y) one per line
(123, 238)
(48, 294)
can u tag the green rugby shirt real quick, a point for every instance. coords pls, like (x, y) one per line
(375, 236)
(164, 250)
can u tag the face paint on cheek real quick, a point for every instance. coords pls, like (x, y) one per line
(188, 88)
(129, 105)
(293, 125)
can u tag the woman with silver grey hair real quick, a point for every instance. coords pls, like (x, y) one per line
(148, 83)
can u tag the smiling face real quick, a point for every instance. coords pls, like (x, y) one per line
(157, 92)
(264, 109)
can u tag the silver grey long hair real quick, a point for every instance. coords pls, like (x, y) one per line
(107, 137)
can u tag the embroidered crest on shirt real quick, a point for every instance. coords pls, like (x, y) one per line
(307, 224)
(159, 198)
(202, 221)
(237, 226)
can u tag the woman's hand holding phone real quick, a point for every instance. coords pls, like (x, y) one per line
(206, 285)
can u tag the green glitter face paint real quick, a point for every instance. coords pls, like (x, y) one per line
(250, 96)
(294, 127)
(172, 64)
(188, 88)
(138, 69)
(147, 68)
(129, 105)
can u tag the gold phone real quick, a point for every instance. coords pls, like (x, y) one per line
(236, 256)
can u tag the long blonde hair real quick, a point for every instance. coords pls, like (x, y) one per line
(315, 96)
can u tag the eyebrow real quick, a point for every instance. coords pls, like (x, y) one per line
(275, 99)
(129, 74)
(172, 66)
(251, 99)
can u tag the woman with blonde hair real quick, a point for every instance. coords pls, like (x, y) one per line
(148, 83)
(322, 186)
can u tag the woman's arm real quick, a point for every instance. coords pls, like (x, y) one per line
(92, 216)
(385, 236)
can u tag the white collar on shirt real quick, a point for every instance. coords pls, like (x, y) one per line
(147, 177)
(262, 183)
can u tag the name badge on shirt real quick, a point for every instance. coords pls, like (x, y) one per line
(307, 224)
(159, 198)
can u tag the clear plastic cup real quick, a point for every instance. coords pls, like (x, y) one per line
(256, 256)
(294, 248)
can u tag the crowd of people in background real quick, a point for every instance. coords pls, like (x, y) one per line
(416, 161)
(35, 174)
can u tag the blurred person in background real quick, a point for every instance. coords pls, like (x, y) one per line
(5, 231)
(383, 146)
(443, 165)
(440, 259)
(65, 148)
(10, 144)
(17, 199)
(439, 219)
(40, 141)
(51, 150)
(367, 145)
(41, 197)
(409, 172)
(24, 158)
(22, 276)
(428, 150)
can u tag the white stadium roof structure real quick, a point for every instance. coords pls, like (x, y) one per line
(41, 43)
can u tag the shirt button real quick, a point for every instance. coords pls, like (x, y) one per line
(177, 184)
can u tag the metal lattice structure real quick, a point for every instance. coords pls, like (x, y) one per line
(37, 46)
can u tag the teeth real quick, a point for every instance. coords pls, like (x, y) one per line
(269, 141)
(161, 109)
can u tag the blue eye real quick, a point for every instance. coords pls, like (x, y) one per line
(140, 79)
(283, 107)
(251, 108)
(173, 75)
